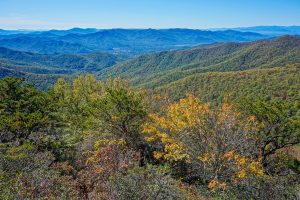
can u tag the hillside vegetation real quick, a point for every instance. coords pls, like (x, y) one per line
(43, 70)
(156, 69)
(267, 83)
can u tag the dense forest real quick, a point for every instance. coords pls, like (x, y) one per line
(153, 70)
(80, 119)
(88, 139)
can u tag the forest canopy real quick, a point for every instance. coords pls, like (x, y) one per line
(91, 139)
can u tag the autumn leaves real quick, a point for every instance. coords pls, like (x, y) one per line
(219, 143)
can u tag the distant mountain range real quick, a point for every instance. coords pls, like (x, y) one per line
(266, 30)
(129, 42)
(49, 32)
(269, 30)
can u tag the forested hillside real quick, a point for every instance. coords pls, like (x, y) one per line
(43, 70)
(280, 82)
(156, 69)
(95, 61)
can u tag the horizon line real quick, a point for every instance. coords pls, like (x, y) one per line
(145, 28)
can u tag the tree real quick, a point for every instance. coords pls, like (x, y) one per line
(74, 105)
(87, 105)
(23, 111)
(214, 147)
(279, 124)
(121, 112)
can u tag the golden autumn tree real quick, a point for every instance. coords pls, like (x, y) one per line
(212, 146)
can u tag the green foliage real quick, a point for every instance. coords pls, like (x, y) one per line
(110, 107)
(279, 82)
(279, 123)
(121, 111)
(157, 69)
(23, 110)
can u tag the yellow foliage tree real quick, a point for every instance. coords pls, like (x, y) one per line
(216, 145)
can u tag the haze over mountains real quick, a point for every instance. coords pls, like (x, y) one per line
(119, 41)
(269, 30)
(146, 57)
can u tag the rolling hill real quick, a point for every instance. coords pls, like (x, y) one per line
(153, 70)
(40, 67)
(91, 62)
(280, 82)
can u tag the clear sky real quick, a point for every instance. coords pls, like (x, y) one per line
(63, 14)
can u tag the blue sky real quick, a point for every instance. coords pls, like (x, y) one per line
(64, 14)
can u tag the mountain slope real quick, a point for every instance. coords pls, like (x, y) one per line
(156, 69)
(39, 68)
(88, 62)
(282, 82)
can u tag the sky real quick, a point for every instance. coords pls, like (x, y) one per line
(196, 14)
